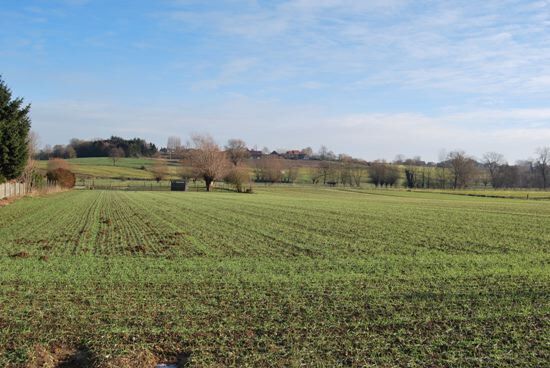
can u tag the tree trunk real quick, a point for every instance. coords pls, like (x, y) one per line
(208, 182)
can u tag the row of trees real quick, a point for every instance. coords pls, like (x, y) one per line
(175, 149)
(209, 162)
(455, 170)
(459, 170)
(112, 147)
(205, 160)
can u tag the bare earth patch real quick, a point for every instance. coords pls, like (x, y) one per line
(59, 356)
(6, 201)
(21, 254)
(63, 356)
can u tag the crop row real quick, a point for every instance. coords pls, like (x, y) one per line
(283, 277)
(318, 224)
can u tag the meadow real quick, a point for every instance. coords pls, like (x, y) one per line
(102, 170)
(124, 169)
(282, 277)
(501, 193)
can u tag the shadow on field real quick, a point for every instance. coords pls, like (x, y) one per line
(181, 360)
(81, 357)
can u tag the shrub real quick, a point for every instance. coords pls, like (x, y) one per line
(37, 180)
(58, 163)
(63, 177)
(159, 170)
(239, 177)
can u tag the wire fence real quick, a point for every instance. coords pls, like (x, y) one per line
(146, 185)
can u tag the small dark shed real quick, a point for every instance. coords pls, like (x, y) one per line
(178, 185)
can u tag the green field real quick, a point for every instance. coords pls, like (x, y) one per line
(283, 277)
(501, 193)
(139, 168)
(125, 168)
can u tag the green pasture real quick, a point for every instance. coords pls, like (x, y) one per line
(124, 169)
(288, 276)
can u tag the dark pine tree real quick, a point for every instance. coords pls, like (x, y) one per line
(15, 125)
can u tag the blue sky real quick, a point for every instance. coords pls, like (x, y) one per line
(370, 78)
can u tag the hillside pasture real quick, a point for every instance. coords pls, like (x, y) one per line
(283, 277)
(501, 193)
(125, 168)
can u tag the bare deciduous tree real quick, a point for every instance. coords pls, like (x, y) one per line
(70, 152)
(392, 175)
(116, 154)
(543, 164)
(30, 168)
(326, 169)
(315, 174)
(173, 145)
(207, 159)
(415, 174)
(345, 169)
(377, 172)
(239, 177)
(269, 169)
(493, 161)
(357, 171)
(307, 152)
(159, 170)
(290, 174)
(462, 168)
(58, 163)
(383, 174)
(323, 153)
(399, 159)
(236, 151)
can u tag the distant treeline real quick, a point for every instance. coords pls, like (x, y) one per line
(454, 170)
(135, 147)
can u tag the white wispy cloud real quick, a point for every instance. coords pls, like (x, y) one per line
(230, 72)
(490, 47)
(371, 78)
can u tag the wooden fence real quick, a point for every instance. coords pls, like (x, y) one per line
(8, 190)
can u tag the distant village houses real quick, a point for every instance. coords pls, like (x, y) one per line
(254, 154)
(289, 155)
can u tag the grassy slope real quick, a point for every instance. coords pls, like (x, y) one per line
(282, 277)
(125, 168)
(502, 193)
(130, 170)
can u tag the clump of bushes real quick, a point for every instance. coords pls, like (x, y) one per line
(239, 177)
(63, 177)
(58, 163)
